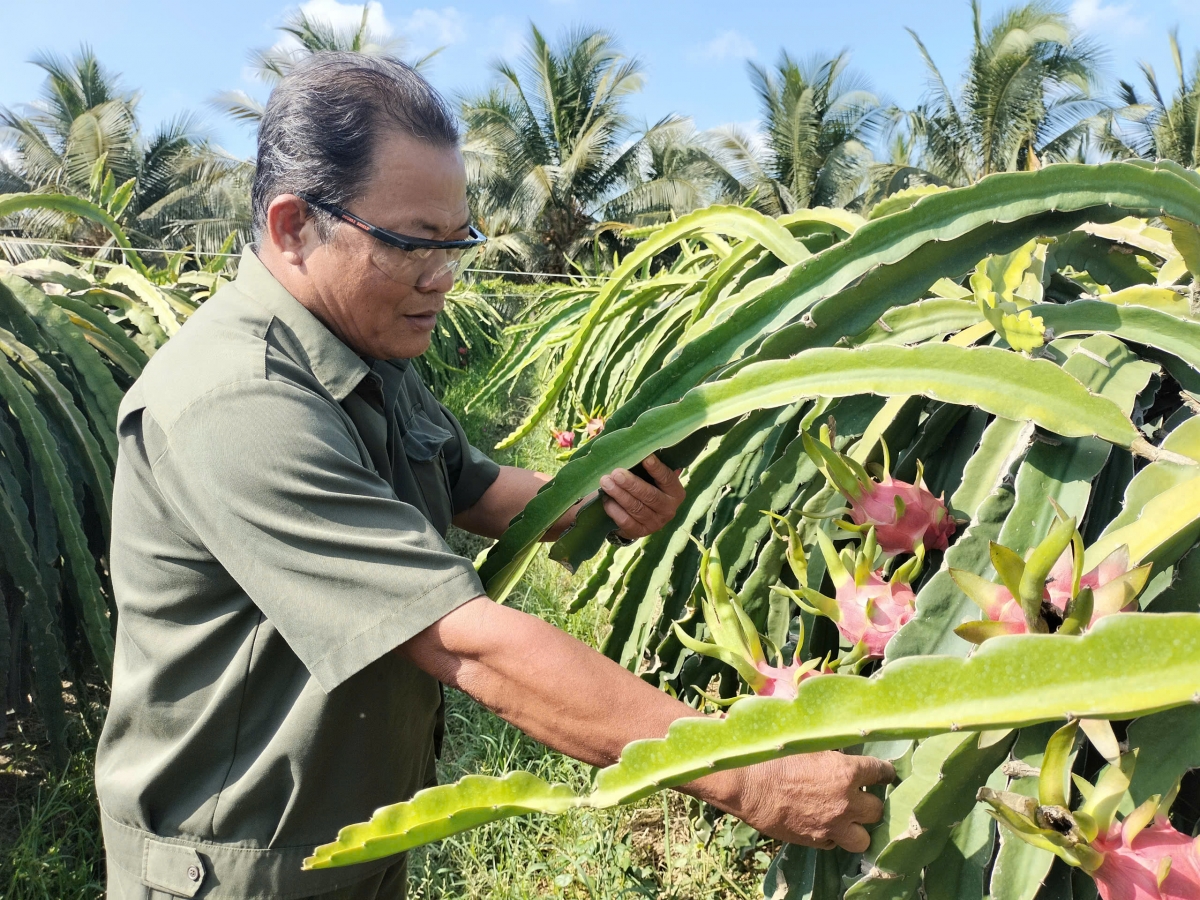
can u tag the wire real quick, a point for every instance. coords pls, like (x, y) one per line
(43, 243)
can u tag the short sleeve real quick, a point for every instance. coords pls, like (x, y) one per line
(272, 481)
(471, 471)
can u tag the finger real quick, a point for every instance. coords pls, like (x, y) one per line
(632, 503)
(665, 477)
(873, 771)
(640, 488)
(625, 523)
(865, 808)
(853, 837)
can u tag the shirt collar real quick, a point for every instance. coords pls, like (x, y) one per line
(336, 366)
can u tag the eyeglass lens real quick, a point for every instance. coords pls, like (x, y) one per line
(423, 267)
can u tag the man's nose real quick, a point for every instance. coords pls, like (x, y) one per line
(439, 283)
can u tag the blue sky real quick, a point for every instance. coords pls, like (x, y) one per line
(180, 54)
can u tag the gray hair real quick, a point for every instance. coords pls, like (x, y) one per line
(322, 121)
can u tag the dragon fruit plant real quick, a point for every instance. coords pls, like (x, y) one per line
(735, 640)
(867, 608)
(906, 517)
(1031, 338)
(1049, 592)
(1141, 857)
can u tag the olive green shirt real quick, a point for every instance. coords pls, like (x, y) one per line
(278, 521)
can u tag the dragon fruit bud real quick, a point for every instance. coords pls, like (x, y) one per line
(593, 427)
(564, 439)
(1114, 585)
(1156, 862)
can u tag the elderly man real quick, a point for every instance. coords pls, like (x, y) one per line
(288, 605)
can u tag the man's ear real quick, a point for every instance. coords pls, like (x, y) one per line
(291, 229)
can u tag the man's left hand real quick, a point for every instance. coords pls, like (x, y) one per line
(638, 507)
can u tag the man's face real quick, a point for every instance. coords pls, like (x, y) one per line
(414, 189)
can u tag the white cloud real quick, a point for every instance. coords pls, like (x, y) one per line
(428, 29)
(1115, 18)
(10, 156)
(348, 15)
(421, 32)
(726, 45)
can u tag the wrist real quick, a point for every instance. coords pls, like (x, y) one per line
(724, 790)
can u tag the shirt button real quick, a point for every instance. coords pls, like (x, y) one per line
(194, 873)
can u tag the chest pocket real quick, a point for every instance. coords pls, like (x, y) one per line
(424, 445)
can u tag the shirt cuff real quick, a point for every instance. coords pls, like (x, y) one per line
(478, 474)
(405, 621)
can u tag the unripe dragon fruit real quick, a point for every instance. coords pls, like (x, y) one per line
(564, 439)
(735, 640)
(905, 516)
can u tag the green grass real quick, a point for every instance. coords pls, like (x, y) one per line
(50, 847)
(665, 847)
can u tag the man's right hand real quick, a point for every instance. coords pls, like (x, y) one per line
(815, 799)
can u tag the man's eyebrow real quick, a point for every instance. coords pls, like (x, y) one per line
(436, 229)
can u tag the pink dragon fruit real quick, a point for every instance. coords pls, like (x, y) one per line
(564, 439)
(905, 516)
(1111, 587)
(1142, 857)
(593, 427)
(867, 609)
(1114, 585)
(735, 640)
(1153, 863)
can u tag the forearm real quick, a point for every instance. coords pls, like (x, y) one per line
(554, 688)
(507, 497)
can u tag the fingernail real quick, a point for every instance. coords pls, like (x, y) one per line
(606, 483)
(620, 476)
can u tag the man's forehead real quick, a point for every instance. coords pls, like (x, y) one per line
(419, 187)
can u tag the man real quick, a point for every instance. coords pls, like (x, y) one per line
(287, 605)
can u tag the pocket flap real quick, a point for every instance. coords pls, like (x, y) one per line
(174, 868)
(423, 439)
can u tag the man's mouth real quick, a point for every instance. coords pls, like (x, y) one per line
(424, 321)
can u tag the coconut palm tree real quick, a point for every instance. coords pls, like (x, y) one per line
(1158, 128)
(1026, 98)
(305, 34)
(676, 171)
(551, 151)
(82, 137)
(818, 117)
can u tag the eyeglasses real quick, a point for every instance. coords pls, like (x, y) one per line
(412, 261)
